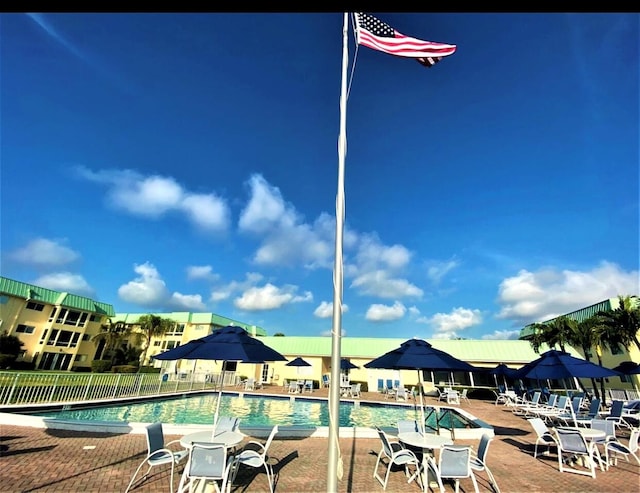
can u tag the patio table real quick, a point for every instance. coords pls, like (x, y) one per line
(428, 442)
(229, 438)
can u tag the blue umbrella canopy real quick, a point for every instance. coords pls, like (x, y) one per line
(555, 364)
(298, 362)
(345, 364)
(503, 370)
(226, 344)
(417, 354)
(628, 368)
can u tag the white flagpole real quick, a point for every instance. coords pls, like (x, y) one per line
(333, 469)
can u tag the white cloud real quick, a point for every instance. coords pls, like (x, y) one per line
(45, 252)
(286, 239)
(385, 313)
(447, 325)
(201, 272)
(500, 335)
(325, 309)
(188, 302)
(153, 196)
(437, 270)
(150, 291)
(269, 297)
(538, 296)
(378, 283)
(66, 282)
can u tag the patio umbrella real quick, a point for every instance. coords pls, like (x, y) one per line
(503, 371)
(628, 368)
(227, 344)
(416, 354)
(347, 365)
(299, 363)
(555, 364)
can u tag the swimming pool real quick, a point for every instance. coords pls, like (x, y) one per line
(260, 410)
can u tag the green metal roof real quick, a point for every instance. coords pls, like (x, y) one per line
(52, 297)
(193, 318)
(581, 314)
(515, 352)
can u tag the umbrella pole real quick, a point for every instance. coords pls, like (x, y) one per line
(422, 425)
(215, 416)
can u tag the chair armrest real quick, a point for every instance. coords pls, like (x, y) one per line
(255, 443)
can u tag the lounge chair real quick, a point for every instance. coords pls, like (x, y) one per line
(325, 381)
(308, 386)
(208, 462)
(395, 454)
(158, 454)
(254, 458)
(401, 394)
(293, 387)
(584, 419)
(355, 390)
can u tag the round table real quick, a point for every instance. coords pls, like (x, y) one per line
(228, 438)
(427, 442)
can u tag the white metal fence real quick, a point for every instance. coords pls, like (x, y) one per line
(32, 388)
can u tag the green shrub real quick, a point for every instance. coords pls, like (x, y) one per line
(81, 369)
(149, 369)
(100, 365)
(124, 369)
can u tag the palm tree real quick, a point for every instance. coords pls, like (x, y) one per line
(111, 336)
(587, 335)
(151, 326)
(557, 332)
(624, 320)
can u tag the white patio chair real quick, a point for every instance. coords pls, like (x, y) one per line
(614, 447)
(464, 397)
(208, 462)
(544, 435)
(455, 463)
(255, 458)
(158, 454)
(395, 454)
(479, 461)
(571, 446)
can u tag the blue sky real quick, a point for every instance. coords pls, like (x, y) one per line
(188, 162)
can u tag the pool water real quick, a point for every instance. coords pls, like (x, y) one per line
(254, 411)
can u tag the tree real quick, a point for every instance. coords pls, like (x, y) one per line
(10, 348)
(150, 326)
(587, 335)
(624, 320)
(111, 336)
(557, 332)
(278, 334)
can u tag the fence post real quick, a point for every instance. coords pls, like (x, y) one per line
(14, 386)
(86, 392)
(53, 388)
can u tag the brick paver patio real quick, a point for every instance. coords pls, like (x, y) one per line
(49, 460)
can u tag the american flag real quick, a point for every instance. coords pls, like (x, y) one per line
(376, 34)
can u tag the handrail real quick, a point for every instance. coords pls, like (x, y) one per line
(33, 388)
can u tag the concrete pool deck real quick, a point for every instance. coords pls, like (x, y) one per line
(48, 460)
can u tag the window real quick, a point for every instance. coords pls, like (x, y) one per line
(52, 338)
(4, 299)
(44, 336)
(25, 329)
(81, 358)
(176, 331)
(95, 318)
(86, 337)
(32, 305)
(169, 345)
(157, 343)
